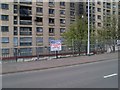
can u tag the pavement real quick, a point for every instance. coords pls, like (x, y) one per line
(54, 63)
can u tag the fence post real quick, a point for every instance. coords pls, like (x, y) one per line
(73, 46)
(56, 53)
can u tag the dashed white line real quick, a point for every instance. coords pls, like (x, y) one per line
(111, 75)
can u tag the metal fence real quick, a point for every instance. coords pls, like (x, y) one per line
(76, 48)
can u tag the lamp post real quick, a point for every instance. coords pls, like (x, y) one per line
(88, 45)
(82, 26)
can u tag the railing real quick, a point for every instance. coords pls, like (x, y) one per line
(25, 2)
(25, 22)
(44, 52)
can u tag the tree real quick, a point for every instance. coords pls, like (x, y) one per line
(109, 32)
(76, 33)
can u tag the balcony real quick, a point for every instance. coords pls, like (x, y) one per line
(51, 21)
(39, 34)
(25, 22)
(25, 12)
(51, 24)
(39, 13)
(25, 43)
(63, 7)
(109, 7)
(39, 23)
(62, 24)
(72, 16)
(62, 15)
(25, 2)
(39, 3)
(51, 34)
(39, 44)
(51, 4)
(108, 13)
(51, 15)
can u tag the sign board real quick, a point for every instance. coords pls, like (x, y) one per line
(55, 45)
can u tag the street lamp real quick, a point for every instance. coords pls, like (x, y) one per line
(82, 16)
(88, 45)
(82, 24)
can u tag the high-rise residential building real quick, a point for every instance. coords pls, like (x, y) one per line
(99, 11)
(27, 27)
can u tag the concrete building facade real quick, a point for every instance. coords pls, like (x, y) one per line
(28, 27)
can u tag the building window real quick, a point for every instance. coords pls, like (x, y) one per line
(114, 12)
(51, 20)
(72, 13)
(39, 41)
(25, 31)
(99, 24)
(99, 3)
(62, 21)
(39, 19)
(15, 9)
(5, 6)
(108, 5)
(108, 25)
(39, 9)
(108, 12)
(51, 11)
(15, 31)
(40, 1)
(72, 5)
(99, 17)
(5, 39)
(72, 21)
(62, 3)
(51, 38)
(39, 50)
(15, 1)
(15, 41)
(25, 51)
(62, 40)
(99, 9)
(25, 41)
(51, 2)
(39, 29)
(5, 51)
(114, 6)
(51, 30)
(15, 20)
(4, 17)
(62, 30)
(4, 28)
(62, 12)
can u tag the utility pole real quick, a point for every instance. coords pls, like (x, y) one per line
(88, 47)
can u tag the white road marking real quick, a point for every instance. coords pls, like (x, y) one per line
(111, 75)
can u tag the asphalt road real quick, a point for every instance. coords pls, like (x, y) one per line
(102, 74)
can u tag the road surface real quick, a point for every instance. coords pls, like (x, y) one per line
(102, 74)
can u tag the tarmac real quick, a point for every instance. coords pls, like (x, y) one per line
(16, 67)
